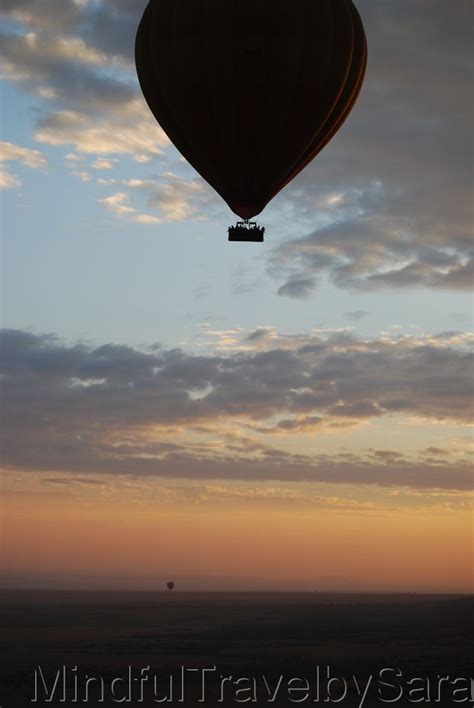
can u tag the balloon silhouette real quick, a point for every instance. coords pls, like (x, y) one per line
(250, 91)
(170, 585)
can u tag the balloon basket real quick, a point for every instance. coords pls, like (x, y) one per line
(246, 231)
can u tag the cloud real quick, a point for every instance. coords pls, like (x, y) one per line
(173, 198)
(129, 131)
(148, 219)
(83, 176)
(66, 68)
(356, 315)
(108, 182)
(388, 203)
(102, 164)
(373, 252)
(177, 198)
(30, 158)
(9, 152)
(54, 15)
(262, 333)
(7, 181)
(117, 203)
(112, 26)
(91, 98)
(298, 287)
(77, 408)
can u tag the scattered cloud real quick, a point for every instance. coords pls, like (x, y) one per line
(262, 333)
(117, 203)
(26, 156)
(124, 132)
(108, 181)
(298, 287)
(356, 315)
(172, 198)
(104, 164)
(148, 219)
(8, 181)
(9, 152)
(175, 198)
(64, 56)
(83, 176)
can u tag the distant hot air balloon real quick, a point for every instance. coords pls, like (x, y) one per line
(170, 585)
(250, 91)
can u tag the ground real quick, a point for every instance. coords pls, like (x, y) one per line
(262, 646)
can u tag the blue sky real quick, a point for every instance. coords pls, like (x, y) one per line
(85, 273)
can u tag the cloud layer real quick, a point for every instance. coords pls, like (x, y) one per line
(77, 408)
(389, 203)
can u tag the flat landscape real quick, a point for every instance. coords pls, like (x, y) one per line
(139, 648)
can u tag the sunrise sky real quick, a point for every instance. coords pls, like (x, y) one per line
(292, 415)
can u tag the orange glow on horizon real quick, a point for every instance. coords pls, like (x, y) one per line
(223, 546)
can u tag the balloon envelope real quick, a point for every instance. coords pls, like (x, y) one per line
(170, 585)
(250, 91)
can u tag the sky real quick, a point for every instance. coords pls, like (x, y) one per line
(292, 415)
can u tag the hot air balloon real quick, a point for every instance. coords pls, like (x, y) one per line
(170, 585)
(251, 91)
